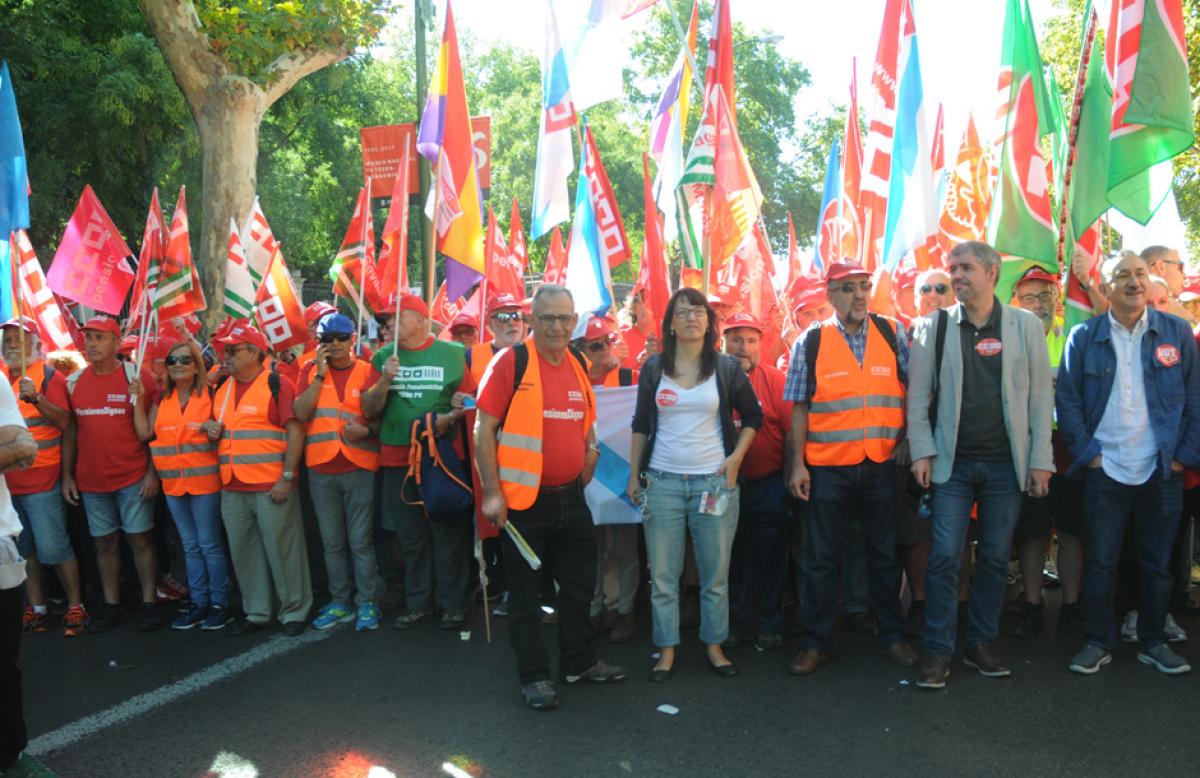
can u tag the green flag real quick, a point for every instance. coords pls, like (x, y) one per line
(1021, 223)
(1152, 111)
(1089, 176)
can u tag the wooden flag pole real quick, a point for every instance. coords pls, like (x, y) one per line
(362, 270)
(14, 260)
(402, 249)
(431, 249)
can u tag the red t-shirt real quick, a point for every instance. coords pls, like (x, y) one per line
(340, 376)
(279, 412)
(636, 342)
(766, 452)
(562, 418)
(109, 455)
(397, 456)
(39, 479)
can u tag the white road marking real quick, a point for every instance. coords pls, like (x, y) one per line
(143, 703)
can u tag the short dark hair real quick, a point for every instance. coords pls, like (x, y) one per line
(987, 256)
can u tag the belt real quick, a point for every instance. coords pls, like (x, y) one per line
(569, 486)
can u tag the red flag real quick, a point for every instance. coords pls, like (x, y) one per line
(280, 314)
(654, 278)
(444, 310)
(931, 254)
(881, 131)
(37, 301)
(392, 267)
(90, 266)
(177, 292)
(736, 199)
(556, 261)
(149, 261)
(852, 162)
(614, 245)
(503, 272)
(748, 274)
(516, 239)
(355, 262)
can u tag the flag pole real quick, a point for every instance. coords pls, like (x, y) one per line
(1073, 137)
(684, 41)
(401, 248)
(362, 269)
(13, 260)
(431, 249)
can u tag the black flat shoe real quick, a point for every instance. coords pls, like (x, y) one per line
(725, 671)
(659, 675)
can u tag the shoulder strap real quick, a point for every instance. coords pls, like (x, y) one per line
(578, 357)
(624, 376)
(520, 364)
(273, 383)
(812, 345)
(939, 346)
(47, 376)
(886, 330)
(470, 351)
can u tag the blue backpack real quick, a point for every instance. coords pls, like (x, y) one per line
(439, 478)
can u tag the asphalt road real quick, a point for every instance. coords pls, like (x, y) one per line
(341, 703)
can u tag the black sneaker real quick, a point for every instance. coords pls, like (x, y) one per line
(597, 673)
(245, 627)
(540, 695)
(1029, 623)
(152, 617)
(107, 617)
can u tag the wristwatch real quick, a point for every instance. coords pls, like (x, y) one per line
(594, 447)
(289, 475)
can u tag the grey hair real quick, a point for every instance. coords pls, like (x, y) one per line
(546, 290)
(1153, 254)
(1109, 265)
(987, 256)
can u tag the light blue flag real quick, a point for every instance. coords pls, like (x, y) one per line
(587, 271)
(551, 198)
(14, 181)
(605, 493)
(825, 247)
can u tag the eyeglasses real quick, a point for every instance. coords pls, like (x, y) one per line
(690, 313)
(598, 345)
(1040, 297)
(505, 317)
(184, 359)
(549, 319)
(336, 337)
(851, 287)
(939, 288)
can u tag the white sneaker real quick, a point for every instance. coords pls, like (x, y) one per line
(1129, 628)
(1174, 632)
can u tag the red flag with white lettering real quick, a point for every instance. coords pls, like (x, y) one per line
(90, 266)
(280, 314)
(614, 245)
(37, 300)
(503, 272)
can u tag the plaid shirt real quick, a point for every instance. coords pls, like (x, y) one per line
(799, 388)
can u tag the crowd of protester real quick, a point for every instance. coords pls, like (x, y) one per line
(907, 474)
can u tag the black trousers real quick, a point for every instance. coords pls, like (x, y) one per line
(560, 523)
(13, 736)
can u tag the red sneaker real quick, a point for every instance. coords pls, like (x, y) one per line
(75, 621)
(32, 621)
(170, 590)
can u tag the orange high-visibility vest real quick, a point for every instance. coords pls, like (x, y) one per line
(251, 446)
(856, 413)
(47, 436)
(519, 454)
(323, 434)
(186, 460)
(480, 355)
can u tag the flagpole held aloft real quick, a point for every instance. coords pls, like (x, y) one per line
(362, 270)
(431, 250)
(1073, 135)
(402, 245)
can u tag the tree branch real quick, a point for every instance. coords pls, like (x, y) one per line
(185, 47)
(288, 69)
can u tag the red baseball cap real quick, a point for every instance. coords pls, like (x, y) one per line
(242, 331)
(1036, 273)
(410, 302)
(839, 270)
(743, 319)
(128, 345)
(314, 312)
(103, 324)
(464, 320)
(25, 323)
(598, 329)
(1190, 291)
(811, 297)
(502, 301)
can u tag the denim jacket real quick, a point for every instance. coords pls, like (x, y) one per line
(1169, 368)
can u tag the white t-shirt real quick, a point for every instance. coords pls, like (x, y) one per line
(688, 440)
(10, 523)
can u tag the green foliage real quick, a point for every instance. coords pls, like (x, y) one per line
(251, 34)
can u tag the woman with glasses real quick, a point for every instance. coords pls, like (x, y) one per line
(685, 457)
(186, 461)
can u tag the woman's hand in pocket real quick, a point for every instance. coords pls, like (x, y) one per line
(729, 468)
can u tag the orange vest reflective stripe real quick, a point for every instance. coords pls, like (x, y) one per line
(519, 453)
(47, 436)
(323, 434)
(251, 446)
(186, 460)
(481, 355)
(856, 413)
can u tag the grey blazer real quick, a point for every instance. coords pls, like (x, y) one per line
(1026, 389)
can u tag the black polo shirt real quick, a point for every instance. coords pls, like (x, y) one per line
(982, 435)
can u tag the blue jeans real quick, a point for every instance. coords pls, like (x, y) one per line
(671, 507)
(994, 485)
(862, 496)
(43, 526)
(1154, 508)
(198, 519)
(758, 569)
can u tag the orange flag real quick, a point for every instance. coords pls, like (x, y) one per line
(391, 272)
(654, 278)
(968, 194)
(280, 314)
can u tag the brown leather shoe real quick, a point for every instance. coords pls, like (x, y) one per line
(934, 672)
(807, 661)
(983, 659)
(902, 654)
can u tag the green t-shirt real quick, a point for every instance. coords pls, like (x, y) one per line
(427, 379)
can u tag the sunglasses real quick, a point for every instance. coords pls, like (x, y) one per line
(334, 338)
(939, 288)
(598, 345)
(506, 316)
(185, 359)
